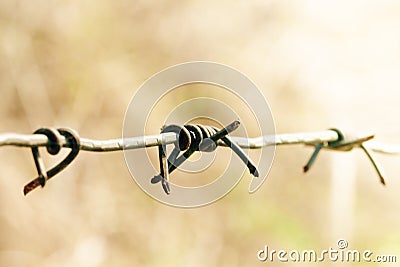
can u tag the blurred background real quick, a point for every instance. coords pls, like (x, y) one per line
(320, 64)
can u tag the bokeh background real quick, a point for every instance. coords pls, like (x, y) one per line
(320, 64)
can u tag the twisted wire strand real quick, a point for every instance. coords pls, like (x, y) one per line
(30, 140)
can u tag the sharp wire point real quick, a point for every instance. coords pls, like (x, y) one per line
(165, 185)
(306, 168)
(314, 155)
(382, 181)
(256, 174)
(374, 164)
(156, 179)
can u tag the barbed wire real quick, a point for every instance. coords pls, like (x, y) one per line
(332, 139)
(86, 144)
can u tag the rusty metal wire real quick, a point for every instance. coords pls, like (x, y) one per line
(31, 140)
(308, 138)
(378, 147)
(332, 139)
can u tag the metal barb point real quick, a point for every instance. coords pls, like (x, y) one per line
(314, 155)
(378, 169)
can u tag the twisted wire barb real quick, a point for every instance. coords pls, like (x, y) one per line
(308, 138)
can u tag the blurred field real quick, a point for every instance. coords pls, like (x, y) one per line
(77, 63)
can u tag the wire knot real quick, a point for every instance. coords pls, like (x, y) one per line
(346, 142)
(53, 147)
(191, 138)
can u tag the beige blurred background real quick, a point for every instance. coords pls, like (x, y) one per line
(77, 63)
